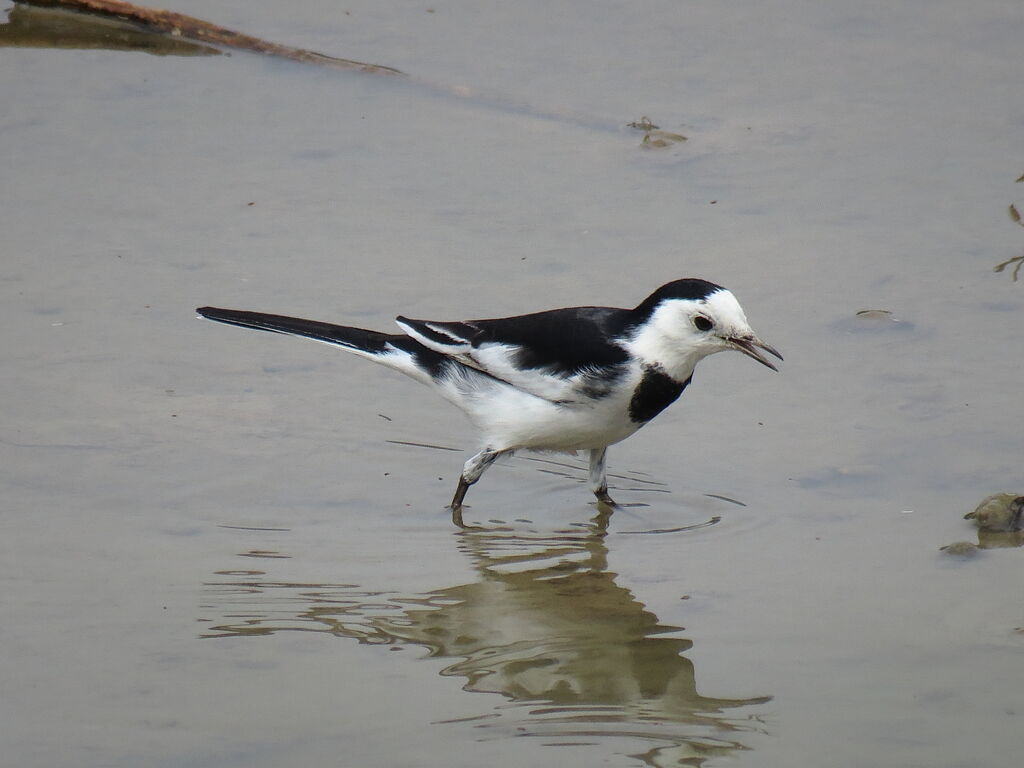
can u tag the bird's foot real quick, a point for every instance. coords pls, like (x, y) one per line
(456, 510)
(604, 498)
(457, 519)
(467, 527)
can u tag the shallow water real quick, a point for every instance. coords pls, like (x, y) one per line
(229, 548)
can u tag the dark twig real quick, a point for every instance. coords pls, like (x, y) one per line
(179, 25)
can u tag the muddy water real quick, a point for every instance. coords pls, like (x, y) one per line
(229, 548)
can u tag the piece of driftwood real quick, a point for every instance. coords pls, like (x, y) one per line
(179, 25)
(31, 27)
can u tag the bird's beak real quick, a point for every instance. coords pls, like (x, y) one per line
(748, 346)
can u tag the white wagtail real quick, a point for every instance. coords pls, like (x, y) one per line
(580, 378)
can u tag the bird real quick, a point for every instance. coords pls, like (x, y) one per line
(561, 380)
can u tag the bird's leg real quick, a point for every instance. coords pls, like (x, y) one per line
(598, 478)
(456, 505)
(471, 472)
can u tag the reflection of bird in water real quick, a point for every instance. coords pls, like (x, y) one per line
(545, 625)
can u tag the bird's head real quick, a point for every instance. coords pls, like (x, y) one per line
(687, 320)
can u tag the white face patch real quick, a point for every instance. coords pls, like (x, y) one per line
(678, 334)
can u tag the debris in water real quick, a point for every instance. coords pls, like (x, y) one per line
(961, 549)
(878, 314)
(178, 25)
(999, 512)
(654, 137)
(1017, 261)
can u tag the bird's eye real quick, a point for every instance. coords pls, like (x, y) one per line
(702, 323)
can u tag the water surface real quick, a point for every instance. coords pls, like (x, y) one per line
(223, 548)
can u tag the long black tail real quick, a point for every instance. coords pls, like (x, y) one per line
(372, 342)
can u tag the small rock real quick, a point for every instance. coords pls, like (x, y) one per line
(999, 512)
(960, 549)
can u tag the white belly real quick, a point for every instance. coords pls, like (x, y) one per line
(512, 419)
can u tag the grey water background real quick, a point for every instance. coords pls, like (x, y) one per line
(229, 548)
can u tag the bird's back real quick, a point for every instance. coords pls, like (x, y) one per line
(561, 341)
